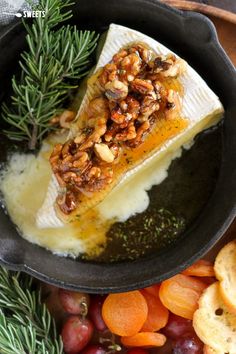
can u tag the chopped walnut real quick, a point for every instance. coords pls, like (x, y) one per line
(130, 65)
(117, 58)
(142, 86)
(64, 119)
(144, 52)
(116, 90)
(148, 107)
(168, 66)
(127, 133)
(141, 130)
(109, 73)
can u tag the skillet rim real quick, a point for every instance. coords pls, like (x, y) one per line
(6, 260)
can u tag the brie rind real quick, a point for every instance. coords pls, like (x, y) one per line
(200, 106)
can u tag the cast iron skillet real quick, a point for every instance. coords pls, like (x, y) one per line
(193, 37)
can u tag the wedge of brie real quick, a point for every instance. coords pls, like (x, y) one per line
(201, 107)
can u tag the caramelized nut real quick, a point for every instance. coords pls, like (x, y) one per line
(127, 134)
(79, 139)
(161, 63)
(142, 86)
(173, 104)
(148, 107)
(116, 90)
(108, 73)
(104, 153)
(131, 64)
(119, 56)
(94, 172)
(66, 118)
(117, 116)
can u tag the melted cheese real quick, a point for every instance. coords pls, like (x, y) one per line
(23, 197)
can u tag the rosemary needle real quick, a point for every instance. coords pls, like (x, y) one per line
(26, 326)
(52, 65)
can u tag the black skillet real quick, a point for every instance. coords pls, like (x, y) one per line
(193, 37)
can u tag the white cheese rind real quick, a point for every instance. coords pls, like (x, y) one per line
(46, 216)
(199, 103)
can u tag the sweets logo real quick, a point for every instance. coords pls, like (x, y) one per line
(20, 8)
(27, 14)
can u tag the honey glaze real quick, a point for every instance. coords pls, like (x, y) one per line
(163, 130)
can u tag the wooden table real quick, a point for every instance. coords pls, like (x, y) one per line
(229, 5)
(225, 22)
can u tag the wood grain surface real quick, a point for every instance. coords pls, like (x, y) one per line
(229, 5)
(225, 23)
(203, 8)
(227, 36)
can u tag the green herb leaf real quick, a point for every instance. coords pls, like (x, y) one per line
(26, 325)
(55, 60)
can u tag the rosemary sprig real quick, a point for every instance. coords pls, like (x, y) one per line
(26, 326)
(52, 65)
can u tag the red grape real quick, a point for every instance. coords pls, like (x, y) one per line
(73, 302)
(51, 299)
(177, 326)
(76, 334)
(95, 312)
(189, 344)
(137, 351)
(94, 349)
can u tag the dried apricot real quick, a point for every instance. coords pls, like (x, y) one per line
(125, 313)
(157, 313)
(153, 289)
(144, 339)
(200, 268)
(180, 294)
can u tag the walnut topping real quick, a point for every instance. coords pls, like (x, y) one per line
(132, 95)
